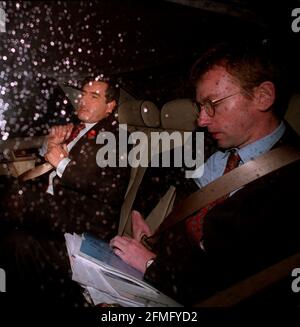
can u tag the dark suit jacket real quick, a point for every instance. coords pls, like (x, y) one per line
(87, 198)
(256, 227)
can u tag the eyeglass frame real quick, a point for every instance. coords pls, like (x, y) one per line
(212, 104)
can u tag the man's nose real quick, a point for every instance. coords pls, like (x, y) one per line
(203, 118)
(81, 100)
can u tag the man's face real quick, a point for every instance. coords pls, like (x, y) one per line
(234, 122)
(92, 104)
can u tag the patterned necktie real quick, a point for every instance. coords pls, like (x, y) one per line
(194, 224)
(75, 131)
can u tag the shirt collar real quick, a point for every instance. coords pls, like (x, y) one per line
(89, 125)
(261, 146)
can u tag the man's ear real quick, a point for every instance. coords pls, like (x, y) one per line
(111, 106)
(265, 95)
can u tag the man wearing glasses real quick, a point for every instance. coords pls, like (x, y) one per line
(253, 227)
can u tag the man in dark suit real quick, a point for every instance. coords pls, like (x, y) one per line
(80, 196)
(254, 226)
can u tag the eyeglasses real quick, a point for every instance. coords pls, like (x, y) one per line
(210, 105)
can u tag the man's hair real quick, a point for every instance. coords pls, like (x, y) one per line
(249, 63)
(113, 90)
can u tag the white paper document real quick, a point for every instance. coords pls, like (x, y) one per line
(107, 278)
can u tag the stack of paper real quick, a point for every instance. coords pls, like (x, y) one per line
(107, 278)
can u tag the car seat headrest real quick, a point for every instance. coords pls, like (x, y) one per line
(179, 114)
(292, 115)
(139, 113)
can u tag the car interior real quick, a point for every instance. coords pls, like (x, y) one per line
(150, 46)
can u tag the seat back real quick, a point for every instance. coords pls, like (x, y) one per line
(292, 115)
(144, 116)
(177, 115)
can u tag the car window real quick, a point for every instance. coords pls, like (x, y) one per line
(150, 46)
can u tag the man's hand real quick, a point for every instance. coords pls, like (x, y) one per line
(139, 226)
(59, 134)
(132, 252)
(56, 153)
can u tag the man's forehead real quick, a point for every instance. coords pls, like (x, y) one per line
(215, 80)
(98, 87)
(216, 74)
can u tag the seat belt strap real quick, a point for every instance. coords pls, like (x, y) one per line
(230, 182)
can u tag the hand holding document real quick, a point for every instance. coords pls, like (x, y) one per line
(107, 278)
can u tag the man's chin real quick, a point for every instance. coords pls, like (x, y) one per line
(223, 145)
(82, 117)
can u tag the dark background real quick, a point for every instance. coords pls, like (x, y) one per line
(150, 45)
